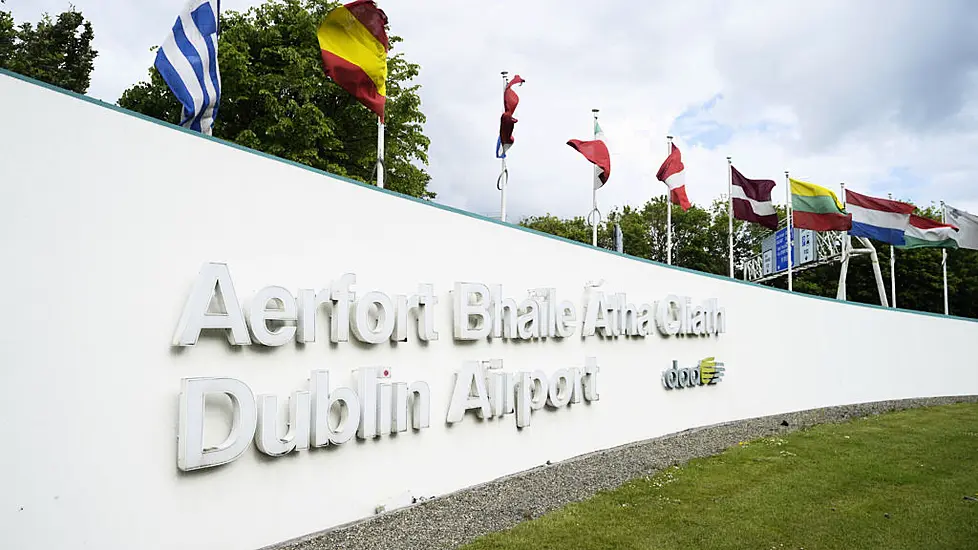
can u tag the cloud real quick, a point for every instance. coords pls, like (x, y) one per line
(877, 94)
(845, 66)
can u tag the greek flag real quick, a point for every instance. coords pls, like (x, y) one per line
(187, 61)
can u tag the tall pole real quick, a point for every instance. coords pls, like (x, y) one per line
(668, 210)
(846, 245)
(892, 269)
(380, 153)
(787, 195)
(730, 213)
(947, 310)
(503, 173)
(594, 191)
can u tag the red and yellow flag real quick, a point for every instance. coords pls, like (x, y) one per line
(354, 46)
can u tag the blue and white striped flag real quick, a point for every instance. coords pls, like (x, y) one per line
(187, 61)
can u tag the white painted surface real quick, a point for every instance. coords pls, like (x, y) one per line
(103, 233)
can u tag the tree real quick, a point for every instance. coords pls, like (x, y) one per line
(58, 52)
(644, 236)
(575, 229)
(275, 98)
(700, 242)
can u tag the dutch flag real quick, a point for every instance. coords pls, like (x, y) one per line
(880, 219)
(187, 61)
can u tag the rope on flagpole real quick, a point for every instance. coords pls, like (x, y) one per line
(594, 216)
(380, 169)
(503, 177)
(381, 165)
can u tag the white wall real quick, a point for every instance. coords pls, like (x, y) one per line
(106, 220)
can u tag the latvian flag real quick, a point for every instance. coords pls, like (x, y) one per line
(752, 200)
(672, 173)
(880, 219)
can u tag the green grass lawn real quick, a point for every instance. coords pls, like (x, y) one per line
(892, 481)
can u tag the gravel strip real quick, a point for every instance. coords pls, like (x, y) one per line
(457, 518)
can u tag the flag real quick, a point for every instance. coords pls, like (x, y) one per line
(507, 122)
(619, 240)
(597, 152)
(187, 61)
(927, 233)
(752, 200)
(967, 224)
(817, 208)
(672, 173)
(354, 45)
(881, 219)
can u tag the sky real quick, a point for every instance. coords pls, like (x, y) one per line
(879, 94)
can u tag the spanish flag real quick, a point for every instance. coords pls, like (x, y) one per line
(354, 44)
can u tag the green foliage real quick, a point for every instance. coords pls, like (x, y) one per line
(895, 481)
(644, 236)
(57, 51)
(699, 242)
(575, 229)
(276, 99)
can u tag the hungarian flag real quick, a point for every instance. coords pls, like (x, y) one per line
(597, 152)
(927, 233)
(817, 208)
(752, 200)
(507, 122)
(672, 174)
(354, 45)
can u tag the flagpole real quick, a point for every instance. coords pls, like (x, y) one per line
(594, 192)
(787, 195)
(503, 173)
(947, 310)
(730, 213)
(668, 209)
(380, 152)
(840, 293)
(892, 269)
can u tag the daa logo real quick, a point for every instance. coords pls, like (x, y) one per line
(707, 373)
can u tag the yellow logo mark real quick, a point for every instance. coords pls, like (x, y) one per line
(710, 371)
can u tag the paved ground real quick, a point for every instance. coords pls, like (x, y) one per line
(455, 519)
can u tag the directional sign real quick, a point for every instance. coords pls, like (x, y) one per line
(803, 248)
(805, 241)
(781, 250)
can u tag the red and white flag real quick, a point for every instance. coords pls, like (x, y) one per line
(672, 174)
(597, 153)
(507, 122)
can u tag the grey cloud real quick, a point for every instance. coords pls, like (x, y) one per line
(843, 66)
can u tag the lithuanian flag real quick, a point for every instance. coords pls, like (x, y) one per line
(817, 208)
(353, 40)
